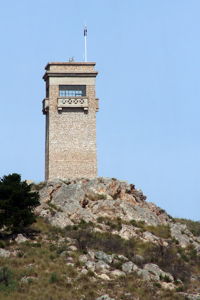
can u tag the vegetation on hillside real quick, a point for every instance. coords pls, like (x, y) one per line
(46, 263)
(17, 203)
(41, 269)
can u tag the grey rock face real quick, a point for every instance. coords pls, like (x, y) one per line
(129, 267)
(66, 202)
(83, 258)
(184, 236)
(4, 253)
(100, 255)
(90, 265)
(101, 266)
(149, 272)
(122, 257)
(104, 297)
(27, 279)
(117, 273)
(20, 239)
(157, 273)
(191, 296)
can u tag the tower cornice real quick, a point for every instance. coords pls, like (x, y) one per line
(71, 74)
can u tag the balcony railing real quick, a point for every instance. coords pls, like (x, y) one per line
(72, 102)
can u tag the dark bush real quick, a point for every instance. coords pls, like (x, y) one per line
(7, 282)
(166, 258)
(115, 224)
(107, 242)
(16, 203)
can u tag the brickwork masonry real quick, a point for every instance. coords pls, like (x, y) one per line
(70, 133)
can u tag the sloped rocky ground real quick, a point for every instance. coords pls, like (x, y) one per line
(101, 240)
(68, 202)
(119, 208)
(91, 199)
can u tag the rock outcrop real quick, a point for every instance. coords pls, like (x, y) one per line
(67, 202)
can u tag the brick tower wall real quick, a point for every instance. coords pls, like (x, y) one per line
(70, 148)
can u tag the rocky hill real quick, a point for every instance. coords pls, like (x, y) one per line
(101, 240)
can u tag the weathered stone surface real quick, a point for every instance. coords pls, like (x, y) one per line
(168, 286)
(65, 202)
(84, 271)
(101, 266)
(90, 265)
(129, 267)
(83, 258)
(72, 248)
(70, 264)
(157, 273)
(149, 237)
(145, 274)
(103, 276)
(191, 296)
(149, 272)
(117, 273)
(69, 259)
(100, 255)
(20, 239)
(91, 254)
(184, 236)
(122, 257)
(4, 253)
(127, 232)
(104, 297)
(27, 279)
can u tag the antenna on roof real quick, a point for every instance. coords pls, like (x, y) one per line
(85, 38)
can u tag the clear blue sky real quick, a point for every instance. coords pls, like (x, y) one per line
(148, 58)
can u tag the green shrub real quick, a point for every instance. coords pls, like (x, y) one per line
(114, 224)
(157, 284)
(139, 224)
(7, 283)
(54, 278)
(106, 241)
(17, 203)
(166, 258)
(162, 231)
(2, 244)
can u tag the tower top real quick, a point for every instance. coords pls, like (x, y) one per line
(70, 69)
(73, 63)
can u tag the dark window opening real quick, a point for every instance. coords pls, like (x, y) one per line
(72, 90)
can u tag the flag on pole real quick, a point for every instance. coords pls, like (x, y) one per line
(85, 31)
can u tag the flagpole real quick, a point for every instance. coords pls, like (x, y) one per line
(85, 38)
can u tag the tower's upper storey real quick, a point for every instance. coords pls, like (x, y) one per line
(70, 85)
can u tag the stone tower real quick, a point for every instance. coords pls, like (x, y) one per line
(70, 108)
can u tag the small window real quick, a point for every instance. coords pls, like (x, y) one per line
(72, 90)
